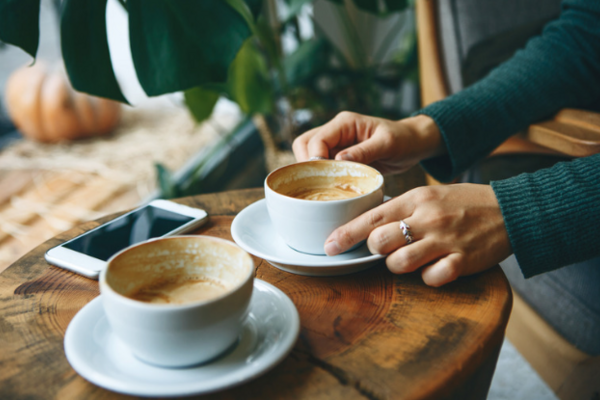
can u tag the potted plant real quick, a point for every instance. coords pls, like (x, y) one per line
(250, 51)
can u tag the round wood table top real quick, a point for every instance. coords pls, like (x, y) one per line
(370, 335)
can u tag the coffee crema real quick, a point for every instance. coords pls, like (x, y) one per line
(179, 291)
(327, 193)
(324, 180)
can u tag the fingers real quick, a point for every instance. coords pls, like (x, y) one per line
(345, 130)
(411, 257)
(366, 152)
(404, 257)
(443, 271)
(300, 145)
(339, 132)
(359, 228)
(387, 238)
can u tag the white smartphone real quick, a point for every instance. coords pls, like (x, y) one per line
(88, 253)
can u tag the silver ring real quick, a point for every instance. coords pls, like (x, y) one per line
(317, 158)
(406, 232)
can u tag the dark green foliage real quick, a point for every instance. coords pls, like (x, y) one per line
(200, 102)
(248, 81)
(311, 58)
(85, 49)
(20, 24)
(180, 45)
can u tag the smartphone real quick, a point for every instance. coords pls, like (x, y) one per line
(88, 253)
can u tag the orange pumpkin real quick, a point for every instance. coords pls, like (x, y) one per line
(44, 107)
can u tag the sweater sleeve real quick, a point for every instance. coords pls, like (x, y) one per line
(559, 68)
(552, 216)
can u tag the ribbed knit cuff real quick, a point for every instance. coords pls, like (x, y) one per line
(553, 216)
(460, 124)
(441, 168)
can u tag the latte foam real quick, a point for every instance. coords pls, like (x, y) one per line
(335, 192)
(179, 291)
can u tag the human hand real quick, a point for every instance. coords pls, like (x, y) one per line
(389, 146)
(457, 229)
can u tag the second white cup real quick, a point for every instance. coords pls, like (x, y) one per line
(178, 301)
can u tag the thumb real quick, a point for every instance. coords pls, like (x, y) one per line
(365, 152)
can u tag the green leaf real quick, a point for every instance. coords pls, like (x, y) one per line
(243, 9)
(200, 102)
(248, 81)
(368, 5)
(310, 58)
(85, 49)
(255, 6)
(267, 40)
(396, 5)
(373, 6)
(20, 24)
(177, 45)
(166, 183)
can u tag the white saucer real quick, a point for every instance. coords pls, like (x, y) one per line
(252, 231)
(100, 357)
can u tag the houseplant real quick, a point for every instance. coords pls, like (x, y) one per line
(232, 48)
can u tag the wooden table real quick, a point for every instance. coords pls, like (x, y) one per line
(370, 335)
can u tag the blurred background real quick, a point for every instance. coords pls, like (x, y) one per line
(309, 61)
(68, 157)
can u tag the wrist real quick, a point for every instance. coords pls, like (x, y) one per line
(428, 138)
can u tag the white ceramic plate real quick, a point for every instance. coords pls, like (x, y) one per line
(99, 356)
(252, 231)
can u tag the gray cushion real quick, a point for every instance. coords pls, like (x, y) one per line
(476, 35)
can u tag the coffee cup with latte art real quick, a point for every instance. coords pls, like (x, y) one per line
(178, 301)
(307, 201)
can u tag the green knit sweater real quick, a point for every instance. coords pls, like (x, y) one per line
(552, 216)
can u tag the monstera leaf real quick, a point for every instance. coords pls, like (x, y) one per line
(85, 49)
(176, 45)
(20, 24)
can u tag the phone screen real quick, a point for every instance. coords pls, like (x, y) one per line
(145, 223)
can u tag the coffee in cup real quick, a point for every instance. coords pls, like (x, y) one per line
(307, 201)
(180, 300)
(325, 191)
(179, 290)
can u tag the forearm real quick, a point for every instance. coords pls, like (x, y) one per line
(560, 68)
(553, 216)
(426, 138)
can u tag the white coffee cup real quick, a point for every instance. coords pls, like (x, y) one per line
(302, 216)
(207, 282)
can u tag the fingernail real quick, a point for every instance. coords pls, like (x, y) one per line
(347, 157)
(332, 248)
